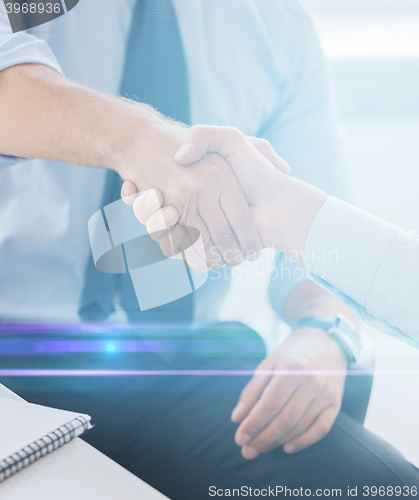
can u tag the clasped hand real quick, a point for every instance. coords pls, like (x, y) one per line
(226, 198)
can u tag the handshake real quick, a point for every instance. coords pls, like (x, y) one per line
(235, 191)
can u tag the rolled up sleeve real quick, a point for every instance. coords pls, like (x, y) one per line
(369, 264)
(21, 48)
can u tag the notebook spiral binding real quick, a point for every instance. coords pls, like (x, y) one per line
(42, 447)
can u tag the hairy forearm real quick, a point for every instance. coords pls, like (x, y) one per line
(47, 116)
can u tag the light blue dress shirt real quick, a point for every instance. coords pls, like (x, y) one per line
(252, 64)
(369, 264)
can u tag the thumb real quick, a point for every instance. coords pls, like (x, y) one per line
(258, 177)
(264, 147)
(203, 139)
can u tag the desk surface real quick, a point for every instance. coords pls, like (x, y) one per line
(76, 471)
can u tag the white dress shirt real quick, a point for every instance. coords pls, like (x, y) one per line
(252, 64)
(370, 264)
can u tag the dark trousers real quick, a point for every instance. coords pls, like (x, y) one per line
(175, 432)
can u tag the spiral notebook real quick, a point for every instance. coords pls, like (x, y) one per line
(28, 432)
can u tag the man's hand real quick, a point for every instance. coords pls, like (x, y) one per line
(207, 195)
(131, 138)
(284, 208)
(253, 160)
(258, 165)
(259, 170)
(298, 406)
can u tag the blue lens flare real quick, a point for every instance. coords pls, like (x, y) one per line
(57, 350)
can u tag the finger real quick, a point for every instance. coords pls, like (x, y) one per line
(176, 243)
(327, 396)
(274, 433)
(171, 242)
(222, 235)
(207, 139)
(312, 413)
(273, 400)
(129, 192)
(240, 218)
(147, 203)
(320, 429)
(194, 251)
(265, 147)
(205, 254)
(203, 139)
(163, 219)
(252, 392)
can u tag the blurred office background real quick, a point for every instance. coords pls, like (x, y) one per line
(373, 51)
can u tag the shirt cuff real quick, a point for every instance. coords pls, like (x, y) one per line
(22, 48)
(345, 247)
(8, 161)
(373, 322)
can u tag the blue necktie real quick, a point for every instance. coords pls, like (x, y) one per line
(155, 73)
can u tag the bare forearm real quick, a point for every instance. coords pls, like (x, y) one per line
(285, 222)
(45, 115)
(309, 299)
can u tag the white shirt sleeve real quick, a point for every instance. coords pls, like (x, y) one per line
(21, 48)
(371, 265)
(302, 127)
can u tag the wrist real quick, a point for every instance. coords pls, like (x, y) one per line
(319, 343)
(146, 146)
(309, 299)
(343, 332)
(131, 136)
(286, 222)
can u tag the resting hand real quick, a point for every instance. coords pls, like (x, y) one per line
(292, 410)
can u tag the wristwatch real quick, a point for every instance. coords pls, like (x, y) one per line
(343, 332)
